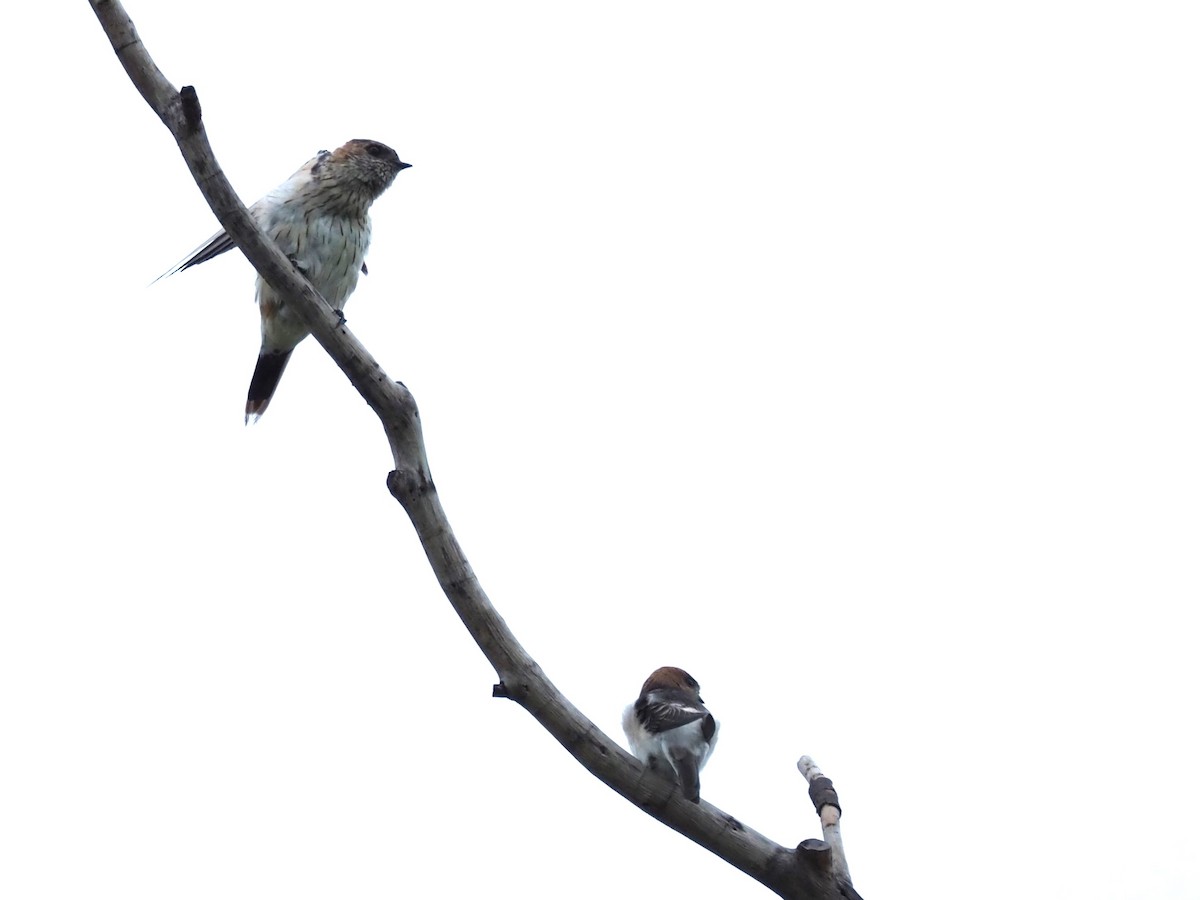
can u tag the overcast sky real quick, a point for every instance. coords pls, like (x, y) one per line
(841, 354)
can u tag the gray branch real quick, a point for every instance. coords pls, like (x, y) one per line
(813, 871)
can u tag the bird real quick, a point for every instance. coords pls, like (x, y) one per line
(670, 730)
(319, 219)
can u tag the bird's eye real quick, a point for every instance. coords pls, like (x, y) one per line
(375, 149)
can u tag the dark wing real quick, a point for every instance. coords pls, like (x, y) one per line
(215, 246)
(666, 709)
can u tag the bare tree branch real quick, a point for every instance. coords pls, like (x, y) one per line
(829, 809)
(814, 871)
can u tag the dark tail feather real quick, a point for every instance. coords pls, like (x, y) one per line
(266, 378)
(689, 776)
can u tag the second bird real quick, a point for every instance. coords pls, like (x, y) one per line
(670, 730)
(318, 218)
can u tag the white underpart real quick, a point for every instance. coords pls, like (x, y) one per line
(655, 749)
(329, 246)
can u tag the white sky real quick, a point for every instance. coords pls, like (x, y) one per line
(842, 354)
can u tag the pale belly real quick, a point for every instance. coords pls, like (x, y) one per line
(329, 251)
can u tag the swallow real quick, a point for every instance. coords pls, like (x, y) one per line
(319, 219)
(670, 730)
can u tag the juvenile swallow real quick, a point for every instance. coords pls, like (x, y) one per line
(669, 729)
(318, 218)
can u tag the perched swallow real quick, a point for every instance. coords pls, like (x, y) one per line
(318, 218)
(669, 729)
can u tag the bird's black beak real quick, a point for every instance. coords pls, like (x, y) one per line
(403, 166)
